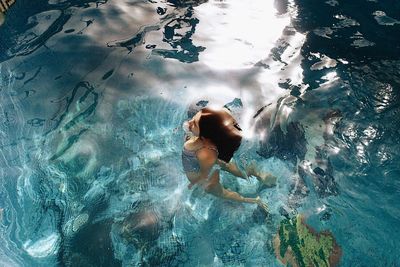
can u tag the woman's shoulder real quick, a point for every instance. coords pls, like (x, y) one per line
(207, 158)
(207, 153)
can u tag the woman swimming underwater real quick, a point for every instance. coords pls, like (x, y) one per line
(215, 136)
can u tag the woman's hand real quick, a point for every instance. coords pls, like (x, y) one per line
(262, 204)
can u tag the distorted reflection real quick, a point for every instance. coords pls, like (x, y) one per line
(178, 33)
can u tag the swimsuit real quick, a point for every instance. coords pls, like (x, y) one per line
(190, 161)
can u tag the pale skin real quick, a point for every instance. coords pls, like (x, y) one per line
(208, 157)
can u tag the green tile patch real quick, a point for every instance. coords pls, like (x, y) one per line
(297, 244)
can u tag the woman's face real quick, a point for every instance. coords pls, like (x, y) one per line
(194, 124)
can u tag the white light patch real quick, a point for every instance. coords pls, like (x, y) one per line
(330, 78)
(174, 199)
(236, 38)
(321, 209)
(306, 165)
(335, 150)
(262, 134)
(248, 124)
(370, 132)
(43, 247)
(286, 111)
(326, 62)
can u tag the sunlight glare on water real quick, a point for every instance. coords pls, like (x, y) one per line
(234, 35)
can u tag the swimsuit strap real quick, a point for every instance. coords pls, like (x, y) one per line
(212, 148)
(195, 151)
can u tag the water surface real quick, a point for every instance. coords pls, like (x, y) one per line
(93, 95)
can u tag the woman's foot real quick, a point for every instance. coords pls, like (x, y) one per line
(264, 177)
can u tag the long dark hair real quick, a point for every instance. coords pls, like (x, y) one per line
(221, 128)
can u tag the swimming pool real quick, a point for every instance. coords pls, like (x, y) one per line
(93, 95)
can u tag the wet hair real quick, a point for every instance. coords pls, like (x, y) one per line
(226, 137)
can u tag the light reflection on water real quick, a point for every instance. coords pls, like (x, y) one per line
(235, 30)
(93, 96)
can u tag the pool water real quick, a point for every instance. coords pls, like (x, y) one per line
(93, 95)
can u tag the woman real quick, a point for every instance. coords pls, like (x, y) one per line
(215, 137)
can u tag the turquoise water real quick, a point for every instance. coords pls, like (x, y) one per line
(93, 96)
